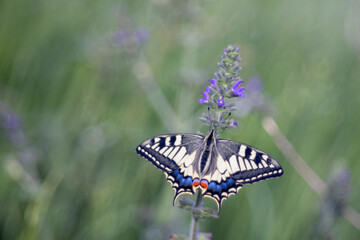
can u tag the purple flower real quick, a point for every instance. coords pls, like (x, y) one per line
(208, 88)
(11, 121)
(205, 99)
(213, 82)
(221, 101)
(141, 35)
(122, 37)
(238, 91)
(254, 85)
(344, 175)
(237, 84)
(234, 124)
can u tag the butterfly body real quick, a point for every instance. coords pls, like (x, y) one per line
(218, 167)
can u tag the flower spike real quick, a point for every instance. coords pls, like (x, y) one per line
(223, 87)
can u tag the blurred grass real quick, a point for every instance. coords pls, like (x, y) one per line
(83, 111)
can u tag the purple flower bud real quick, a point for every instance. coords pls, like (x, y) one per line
(217, 75)
(208, 90)
(205, 99)
(220, 64)
(237, 69)
(234, 124)
(221, 102)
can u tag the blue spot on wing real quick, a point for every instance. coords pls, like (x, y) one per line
(223, 185)
(212, 186)
(182, 182)
(189, 181)
(229, 182)
(179, 176)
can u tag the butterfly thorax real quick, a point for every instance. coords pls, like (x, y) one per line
(205, 155)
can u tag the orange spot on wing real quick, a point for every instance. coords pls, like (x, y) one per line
(204, 184)
(196, 182)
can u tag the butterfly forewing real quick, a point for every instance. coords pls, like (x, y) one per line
(247, 164)
(167, 151)
(174, 154)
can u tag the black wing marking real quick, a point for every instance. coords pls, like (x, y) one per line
(174, 155)
(247, 164)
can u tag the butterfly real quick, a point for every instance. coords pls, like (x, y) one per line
(218, 167)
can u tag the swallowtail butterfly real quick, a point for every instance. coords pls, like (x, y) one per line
(218, 167)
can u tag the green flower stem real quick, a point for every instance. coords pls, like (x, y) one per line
(194, 226)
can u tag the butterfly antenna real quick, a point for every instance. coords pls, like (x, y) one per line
(210, 119)
(228, 116)
(223, 128)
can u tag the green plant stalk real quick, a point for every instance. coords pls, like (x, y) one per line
(194, 226)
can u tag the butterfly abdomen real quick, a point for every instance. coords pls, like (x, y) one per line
(204, 159)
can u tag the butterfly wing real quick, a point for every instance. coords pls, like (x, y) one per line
(174, 154)
(238, 164)
(247, 164)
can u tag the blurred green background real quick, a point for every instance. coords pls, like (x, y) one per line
(82, 83)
